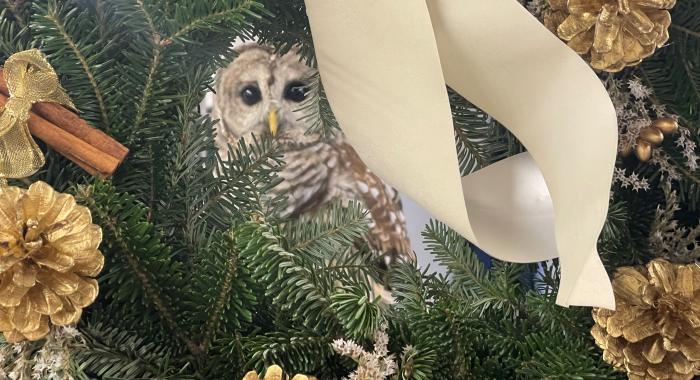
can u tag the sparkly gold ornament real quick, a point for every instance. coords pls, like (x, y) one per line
(48, 258)
(652, 136)
(274, 372)
(611, 34)
(655, 331)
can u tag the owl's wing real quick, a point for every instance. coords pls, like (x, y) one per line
(388, 231)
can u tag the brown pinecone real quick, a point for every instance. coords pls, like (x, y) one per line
(48, 256)
(611, 34)
(655, 331)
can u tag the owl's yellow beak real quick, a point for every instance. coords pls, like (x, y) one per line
(272, 121)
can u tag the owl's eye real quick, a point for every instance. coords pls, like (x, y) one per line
(251, 95)
(295, 91)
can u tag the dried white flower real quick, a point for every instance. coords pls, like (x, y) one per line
(46, 360)
(636, 110)
(632, 181)
(668, 170)
(375, 365)
(631, 107)
(637, 89)
(687, 145)
(670, 240)
(348, 348)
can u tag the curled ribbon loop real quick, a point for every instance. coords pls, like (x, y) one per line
(30, 79)
(384, 65)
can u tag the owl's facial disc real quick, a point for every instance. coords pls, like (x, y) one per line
(260, 93)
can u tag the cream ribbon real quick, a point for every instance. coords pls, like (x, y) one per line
(384, 65)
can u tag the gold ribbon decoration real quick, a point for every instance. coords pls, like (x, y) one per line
(30, 79)
(384, 65)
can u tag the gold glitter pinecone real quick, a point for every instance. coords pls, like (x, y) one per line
(48, 256)
(655, 331)
(611, 34)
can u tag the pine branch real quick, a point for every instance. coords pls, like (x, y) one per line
(292, 283)
(357, 310)
(129, 237)
(70, 37)
(116, 354)
(248, 173)
(227, 289)
(339, 226)
(484, 289)
(296, 351)
(246, 6)
(226, 285)
(54, 16)
(15, 36)
(674, 72)
(481, 140)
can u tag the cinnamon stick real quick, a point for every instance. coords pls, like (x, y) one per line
(72, 136)
(88, 157)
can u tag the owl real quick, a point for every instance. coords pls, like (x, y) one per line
(260, 93)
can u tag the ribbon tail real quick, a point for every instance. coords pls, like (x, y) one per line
(19, 155)
(392, 103)
(592, 287)
(553, 102)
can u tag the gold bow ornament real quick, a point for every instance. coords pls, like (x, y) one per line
(30, 79)
(384, 66)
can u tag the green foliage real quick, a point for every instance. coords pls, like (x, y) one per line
(313, 277)
(115, 354)
(488, 323)
(203, 277)
(303, 350)
(674, 72)
(674, 75)
(481, 140)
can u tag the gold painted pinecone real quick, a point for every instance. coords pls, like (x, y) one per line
(611, 34)
(655, 331)
(48, 256)
(274, 372)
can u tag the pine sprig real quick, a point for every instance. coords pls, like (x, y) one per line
(481, 140)
(498, 288)
(293, 284)
(57, 26)
(15, 35)
(140, 267)
(296, 351)
(223, 294)
(116, 354)
(674, 72)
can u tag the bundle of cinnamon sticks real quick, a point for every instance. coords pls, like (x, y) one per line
(71, 136)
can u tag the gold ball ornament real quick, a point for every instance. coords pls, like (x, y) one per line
(655, 331)
(274, 372)
(643, 150)
(651, 136)
(48, 260)
(666, 125)
(611, 34)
